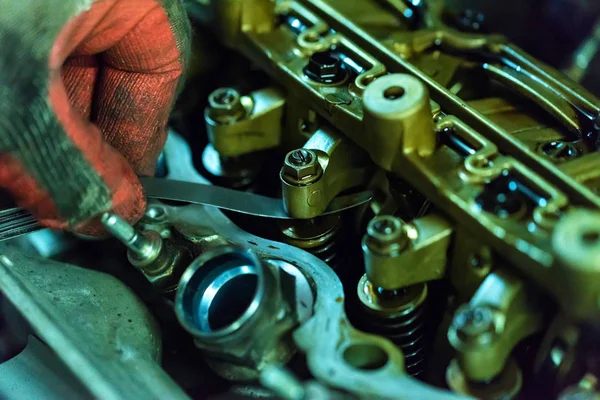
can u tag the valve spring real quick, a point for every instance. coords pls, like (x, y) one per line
(400, 316)
(319, 236)
(238, 173)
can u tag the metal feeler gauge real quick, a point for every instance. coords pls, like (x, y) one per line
(16, 222)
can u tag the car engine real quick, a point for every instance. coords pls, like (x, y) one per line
(357, 200)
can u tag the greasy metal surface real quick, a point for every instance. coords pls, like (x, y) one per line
(452, 181)
(327, 334)
(242, 202)
(259, 127)
(93, 322)
(37, 373)
(257, 338)
(341, 165)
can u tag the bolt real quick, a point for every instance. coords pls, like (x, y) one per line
(471, 323)
(386, 234)
(300, 157)
(385, 226)
(503, 198)
(225, 106)
(225, 96)
(137, 243)
(300, 165)
(324, 67)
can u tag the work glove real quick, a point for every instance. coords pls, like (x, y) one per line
(86, 88)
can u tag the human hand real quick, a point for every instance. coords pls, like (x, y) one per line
(86, 90)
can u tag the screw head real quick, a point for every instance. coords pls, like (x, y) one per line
(300, 157)
(473, 322)
(385, 226)
(224, 104)
(300, 164)
(224, 97)
(386, 234)
(324, 67)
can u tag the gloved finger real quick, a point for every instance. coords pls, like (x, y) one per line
(79, 74)
(54, 160)
(136, 88)
(119, 28)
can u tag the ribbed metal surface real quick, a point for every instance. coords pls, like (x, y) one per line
(15, 222)
(400, 316)
(408, 333)
(319, 237)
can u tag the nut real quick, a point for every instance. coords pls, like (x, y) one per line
(324, 67)
(300, 165)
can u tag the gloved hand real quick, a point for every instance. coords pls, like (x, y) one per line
(86, 88)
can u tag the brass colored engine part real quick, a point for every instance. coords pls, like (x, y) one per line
(485, 331)
(576, 243)
(400, 316)
(318, 236)
(397, 118)
(451, 179)
(327, 165)
(398, 255)
(233, 17)
(238, 173)
(237, 125)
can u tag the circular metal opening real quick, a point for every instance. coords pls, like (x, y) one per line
(220, 292)
(366, 356)
(394, 92)
(226, 299)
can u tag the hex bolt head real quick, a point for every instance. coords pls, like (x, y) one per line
(225, 105)
(300, 157)
(301, 164)
(471, 323)
(324, 67)
(386, 234)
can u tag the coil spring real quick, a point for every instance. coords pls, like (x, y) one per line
(238, 173)
(319, 236)
(399, 316)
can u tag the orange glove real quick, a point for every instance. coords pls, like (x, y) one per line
(86, 90)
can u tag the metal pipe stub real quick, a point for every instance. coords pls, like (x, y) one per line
(231, 302)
